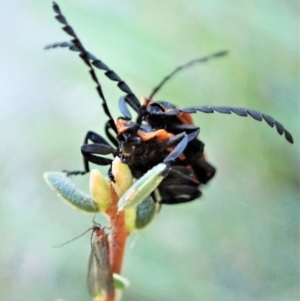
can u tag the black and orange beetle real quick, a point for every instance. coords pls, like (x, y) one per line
(161, 133)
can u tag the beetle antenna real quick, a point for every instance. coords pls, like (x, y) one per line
(243, 112)
(143, 108)
(85, 57)
(186, 65)
(130, 97)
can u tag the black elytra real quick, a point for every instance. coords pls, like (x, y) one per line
(161, 132)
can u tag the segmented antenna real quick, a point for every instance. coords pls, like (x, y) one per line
(85, 57)
(143, 108)
(186, 65)
(130, 98)
(238, 111)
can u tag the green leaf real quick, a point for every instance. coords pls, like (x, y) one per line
(63, 186)
(143, 187)
(145, 212)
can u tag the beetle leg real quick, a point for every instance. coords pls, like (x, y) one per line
(88, 151)
(176, 194)
(182, 128)
(101, 146)
(203, 170)
(172, 141)
(177, 150)
(123, 101)
(110, 136)
(95, 138)
(176, 176)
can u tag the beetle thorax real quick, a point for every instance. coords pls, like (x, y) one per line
(139, 155)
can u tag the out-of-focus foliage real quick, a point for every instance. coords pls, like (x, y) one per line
(241, 240)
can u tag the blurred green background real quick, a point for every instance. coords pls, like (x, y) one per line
(240, 241)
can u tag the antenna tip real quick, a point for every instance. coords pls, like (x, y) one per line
(221, 53)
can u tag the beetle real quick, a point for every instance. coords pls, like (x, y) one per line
(161, 132)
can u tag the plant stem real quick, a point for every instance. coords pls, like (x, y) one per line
(118, 236)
